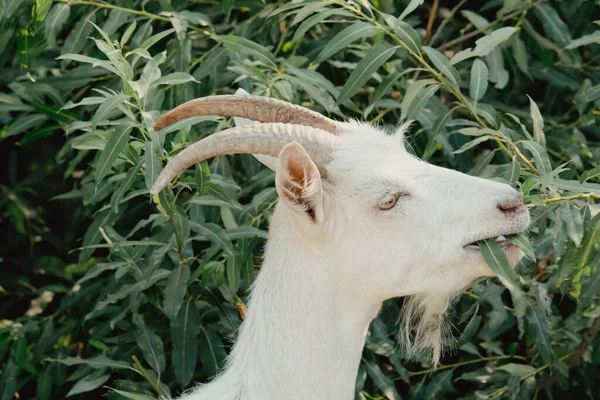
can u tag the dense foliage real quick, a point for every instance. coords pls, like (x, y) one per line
(152, 298)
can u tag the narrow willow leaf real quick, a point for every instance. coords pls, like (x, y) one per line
(55, 20)
(477, 20)
(215, 234)
(151, 163)
(538, 123)
(307, 10)
(182, 229)
(384, 87)
(202, 176)
(233, 269)
(78, 35)
(116, 19)
(472, 143)
(411, 93)
(165, 202)
(24, 123)
(244, 46)
(213, 350)
(513, 174)
(498, 74)
(585, 40)
(92, 235)
(152, 40)
(150, 74)
(520, 54)
(184, 335)
(410, 8)
(573, 223)
(540, 156)
(409, 36)
(124, 187)
(540, 330)
(496, 259)
(587, 175)
(175, 78)
(365, 69)
(116, 143)
(518, 370)
(485, 45)
(420, 101)
(8, 380)
(132, 396)
(316, 19)
(523, 243)
(344, 38)
(111, 103)
(479, 80)
(443, 65)
(150, 344)
(44, 385)
(127, 35)
(382, 381)
(553, 25)
(88, 384)
(175, 290)
(98, 362)
(589, 95)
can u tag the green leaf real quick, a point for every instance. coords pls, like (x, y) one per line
(477, 20)
(215, 234)
(420, 101)
(479, 80)
(110, 104)
(44, 385)
(133, 396)
(150, 74)
(8, 380)
(176, 78)
(116, 143)
(472, 143)
(76, 40)
(316, 19)
(585, 40)
(523, 243)
(538, 123)
(184, 335)
(127, 35)
(409, 36)
(242, 45)
(365, 70)
(498, 262)
(410, 8)
(182, 229)
(24, 123)
(344, 38)
(539, 327)
(540, 156)
(519, 370)
(233, 268)
(97, 362)
(484, 45)
(124, 187)
(175, 290)
(55, 20)
(116, 19)
(411, 94)
(382, 382)
(443, 65)
(589, 95)
(150, 344)
(587, 175)
(151, 163)
(307, 10)
(88, 384)
(554, 27)
(520, 54)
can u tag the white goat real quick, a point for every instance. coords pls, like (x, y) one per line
(359, 221)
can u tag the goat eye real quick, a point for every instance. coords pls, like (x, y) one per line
(388, 202)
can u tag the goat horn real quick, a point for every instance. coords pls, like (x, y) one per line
(261, 109)
(269, 139)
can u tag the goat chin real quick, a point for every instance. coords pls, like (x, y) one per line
(358, 222)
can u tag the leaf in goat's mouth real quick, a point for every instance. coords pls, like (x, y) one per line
(502, 240)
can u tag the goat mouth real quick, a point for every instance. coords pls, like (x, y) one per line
(501, 240)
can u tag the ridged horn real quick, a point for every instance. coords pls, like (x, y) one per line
(257, 108)
(268, 138)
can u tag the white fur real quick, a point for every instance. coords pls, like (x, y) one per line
(323, 282)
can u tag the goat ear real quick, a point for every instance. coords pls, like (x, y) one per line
(298, 183)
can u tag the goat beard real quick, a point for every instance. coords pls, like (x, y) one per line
(423, 330)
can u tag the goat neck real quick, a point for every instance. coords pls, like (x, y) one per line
(299, 317)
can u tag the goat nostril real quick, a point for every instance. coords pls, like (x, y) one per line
(511, 206)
